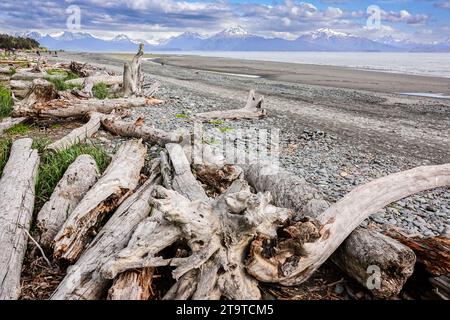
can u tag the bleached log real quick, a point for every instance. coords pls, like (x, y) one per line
(79, 177)
(133, 78)
(16, 210)
(83, 280)
(138, 129)
(27, 75)
(96, 79)
(379, 263)
(132, 285)
(252, 110)
(218, 234)
(78, 135)
(7, 123)
(20, 87)
(119, 180)
(5, 70)
(315, 241)
(75, 108)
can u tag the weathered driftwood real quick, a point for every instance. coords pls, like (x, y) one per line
(441, 286)
(133, 78)
(104, 78)
(138, 129)
(16, 210)
(27, 75)
(7, 123)
(41, 91)
(119, 180)
(83, 280)
(132, 285)
(77, 180)
(252, 110)
(81, 69)
(76, 108)
(78, 135)
(433, 253)
(218, 234)
(310, 242)
(20, 87)
(368, 254)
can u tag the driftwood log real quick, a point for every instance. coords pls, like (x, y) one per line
(8, 123)
(78, 135)
(133, 77)
(119, 180)
(77, 180)
(132, 285)
(76, 108)
(292, 262)
(16, 210)
(433, 253)
(252, 110)
(83, 280)
(365, 252)
(104, 78)
(138, 129)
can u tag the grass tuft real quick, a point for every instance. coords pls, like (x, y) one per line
(18, 129)
(5, 148)
(100, 91)
(216, 122)
(6, 102)
(53, 165)
(61, 85)
(181, 116)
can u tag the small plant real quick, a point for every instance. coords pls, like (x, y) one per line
(53, 165)
(61, 85)
(225, 129)
(5, 148)
(57, 72)
(12, 71)
(181, 116)
(6, 102)
(18, 129)
(100, 91)
(216, 122)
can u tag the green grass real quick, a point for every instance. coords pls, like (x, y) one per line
(12, 72)
(225, 129)
(5, 148)
(216, 122)
(100, 91)
(61, 85)
(181, 116)
(6, 102)
(20, 128)
(53, 165)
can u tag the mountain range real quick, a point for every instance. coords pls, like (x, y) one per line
(236, 39)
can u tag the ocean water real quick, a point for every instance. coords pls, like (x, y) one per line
(428, 64)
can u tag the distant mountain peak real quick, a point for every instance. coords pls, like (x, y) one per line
(69, 36)
(121, 37)
(235, 31)
(328, 33)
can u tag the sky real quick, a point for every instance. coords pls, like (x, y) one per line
(153, 20)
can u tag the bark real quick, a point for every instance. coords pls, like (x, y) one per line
(41, 91)
(133, 285)
(441, 286)
(7, 123)
(433, 253)
(75, 108)
(366, 249)
(77, 180)
(310, 242)
(16, 210)
(252, 110)
(78, 135)
(119, 180)
(104, 78)
(138, 129)
(83, 280)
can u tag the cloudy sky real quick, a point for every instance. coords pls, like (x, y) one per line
(419, 20)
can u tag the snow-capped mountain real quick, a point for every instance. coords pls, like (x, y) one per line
(235, 39)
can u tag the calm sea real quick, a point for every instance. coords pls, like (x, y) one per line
(429, 64)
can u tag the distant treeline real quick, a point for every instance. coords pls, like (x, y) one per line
(9, 42)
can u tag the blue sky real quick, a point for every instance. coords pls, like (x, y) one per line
(418, 20)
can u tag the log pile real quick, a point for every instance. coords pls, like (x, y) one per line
(117, 230)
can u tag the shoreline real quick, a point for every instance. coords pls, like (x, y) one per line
(311, 74)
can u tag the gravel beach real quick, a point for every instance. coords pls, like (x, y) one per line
(338, 136)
